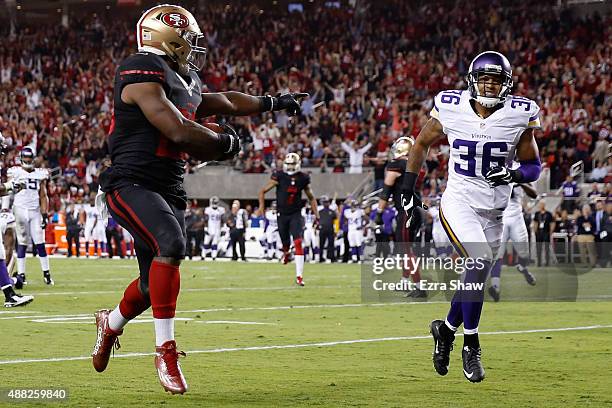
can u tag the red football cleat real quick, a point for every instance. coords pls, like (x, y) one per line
(106, 339)
(299, 281)
(169, 369)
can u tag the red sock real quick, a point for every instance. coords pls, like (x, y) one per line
(298, 246)
(416, 276)
(164, 286)
(133, 302)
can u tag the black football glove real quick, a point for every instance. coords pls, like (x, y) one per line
(230, 143)
(45, 221)
(289, 102)
(409, 200)
(378, 219)
(501, 175)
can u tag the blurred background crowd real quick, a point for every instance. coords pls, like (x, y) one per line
(371, 69)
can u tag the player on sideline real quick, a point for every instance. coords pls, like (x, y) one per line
(395, 173)
(515, 230)
(90, 221)
(487, 128)
(157, 96)
(272, 239)
(289, 184)
(214, 219)
(311, 236)
(30, 208)
(356, 220)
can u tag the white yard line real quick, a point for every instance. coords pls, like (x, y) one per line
(305, 345)
(234, 289)
(241, 309)
(234, 322)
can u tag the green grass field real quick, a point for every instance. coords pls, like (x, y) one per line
(255, 339)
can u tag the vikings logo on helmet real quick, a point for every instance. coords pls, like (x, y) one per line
(175, 20)
(490, 63)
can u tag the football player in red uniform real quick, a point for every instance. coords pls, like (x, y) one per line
(158, 94)
(289, 184)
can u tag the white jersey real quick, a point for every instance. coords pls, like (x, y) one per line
(29, 197)
(477, 144)
(354, 217)
(515, 204)
(309, 218)
(7, 220)
(91, 215)
(272, 220)
(215, 218)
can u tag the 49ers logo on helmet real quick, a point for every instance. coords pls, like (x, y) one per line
(176, 20)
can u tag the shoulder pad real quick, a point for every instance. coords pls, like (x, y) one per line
(526, 111)
(448, 100)
(142, 67)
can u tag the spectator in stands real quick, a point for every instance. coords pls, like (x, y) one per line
(356, 151)
(571, 192)
(585, 236)
(599, 173)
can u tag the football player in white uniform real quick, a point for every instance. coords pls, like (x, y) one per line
(487, 128)
(7, 223)
(515, 230)
(311, 237)
(30, 208)
(441, 241)
(356, 221)
(272, 237)
(214, 217)
(90, 221)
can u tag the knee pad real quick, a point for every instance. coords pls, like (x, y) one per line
(173, 248)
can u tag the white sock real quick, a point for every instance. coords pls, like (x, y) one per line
(21, 265)
(116, 321)
(164, 331)
(450, 326)
(495, 281)
(299, 265)
(44, 262)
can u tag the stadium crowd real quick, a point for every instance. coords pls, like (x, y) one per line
(371, 72)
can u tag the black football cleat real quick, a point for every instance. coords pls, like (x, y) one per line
(17, 300)
(47, 278)
(472, 368)
(494, 293)
(531, 280)
(443, 345)
(417, 294)
(19, 280)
